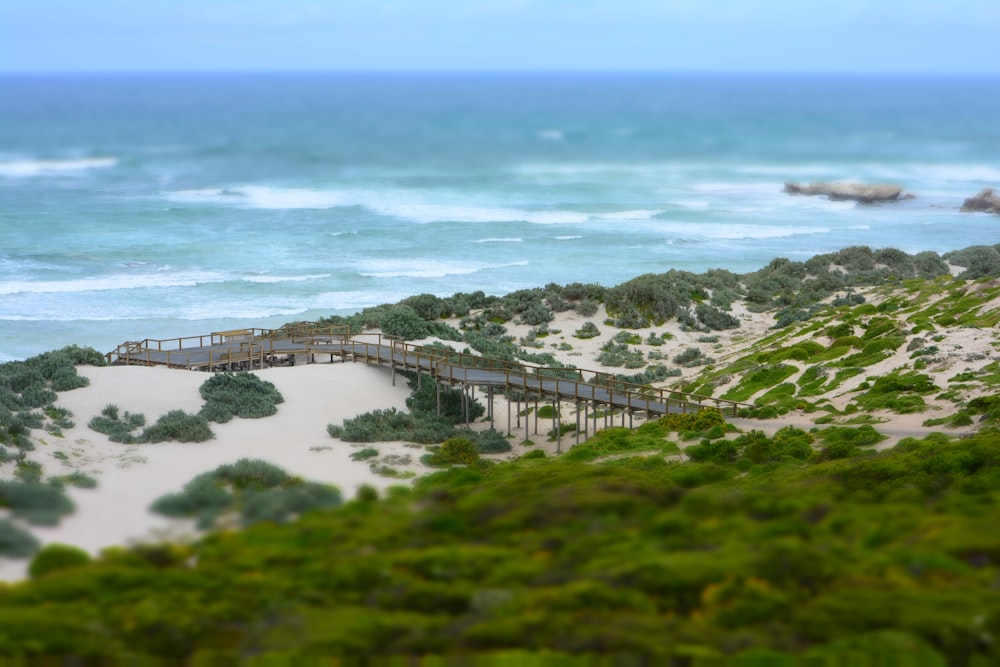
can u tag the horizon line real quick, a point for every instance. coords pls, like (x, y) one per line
(502, 72)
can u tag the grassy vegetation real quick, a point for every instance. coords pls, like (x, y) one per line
(610, 550)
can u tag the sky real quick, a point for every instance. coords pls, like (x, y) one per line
(849, 36)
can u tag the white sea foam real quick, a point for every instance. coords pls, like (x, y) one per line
(735, 187)
(415, 206)
(285, 279)
(353, 300)
(640, 214)
(263, 197)
(568, 237)
(249, 312)
(416, 268)
(512, 239)
(24, 168)
(426, 213)
(682, 231)
(691, 203)
(121, 281)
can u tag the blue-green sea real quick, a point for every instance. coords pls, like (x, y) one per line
(157, 206)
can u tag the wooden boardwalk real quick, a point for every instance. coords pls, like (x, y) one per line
(248, 349)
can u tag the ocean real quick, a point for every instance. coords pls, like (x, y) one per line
(158, 206)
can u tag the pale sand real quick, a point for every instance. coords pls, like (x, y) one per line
(130, 477)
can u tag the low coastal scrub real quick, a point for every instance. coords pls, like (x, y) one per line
(57, 557)
(28, 389)
(16, 542)
(175, 425)
(621, 551)
(254, 490)
(35, 502)
(242, 394)
(119, 427)
(423, 424)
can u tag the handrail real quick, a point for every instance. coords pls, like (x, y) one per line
(450, 366)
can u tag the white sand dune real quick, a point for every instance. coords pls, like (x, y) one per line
(131, 477)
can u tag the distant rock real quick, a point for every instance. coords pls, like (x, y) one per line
(986, 201)
(865, 194)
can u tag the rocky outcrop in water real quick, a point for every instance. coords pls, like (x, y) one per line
(865, 194)
(986, 201)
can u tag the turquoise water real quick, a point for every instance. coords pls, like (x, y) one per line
(160, 206)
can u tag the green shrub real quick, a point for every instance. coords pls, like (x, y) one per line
(428, 306)
(788, 442)
(715, 319)
(586, 308)
(40, 504)
(533, 454)
(620, 354)
(252, 474)
(256, 489)
(424, 399)
(536, 314)
(202, 497)
(15, 542)
(78, 479)
(713, 451)
(240, 394)
(491, 441)
(28, 471)
(862, 436)
(283, 504)
(118, 428)
(365, 454)
(455, 451)
(391, 424)
(588, 330)
(180, 426)
(403, 322)
(55, 557)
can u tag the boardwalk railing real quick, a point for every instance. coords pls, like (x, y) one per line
(258, 348)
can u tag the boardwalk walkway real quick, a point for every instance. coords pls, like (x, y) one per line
(247, 349)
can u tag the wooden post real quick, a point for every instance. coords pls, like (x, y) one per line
(465, 403)
(578, 422)
(556, 427)
(508, 411)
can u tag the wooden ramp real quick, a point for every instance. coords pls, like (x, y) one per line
(247, 349)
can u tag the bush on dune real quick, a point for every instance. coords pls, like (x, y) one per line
(254, 489)
(180, 426)
(241, 394)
